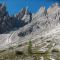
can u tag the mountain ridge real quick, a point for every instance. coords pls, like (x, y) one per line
(41, 28)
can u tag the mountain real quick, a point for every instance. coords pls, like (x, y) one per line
(8, 23)
(42, 28)
(24, 15)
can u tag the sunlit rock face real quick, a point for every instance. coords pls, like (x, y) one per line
(41, 12)
(24, 15)
(53, 8)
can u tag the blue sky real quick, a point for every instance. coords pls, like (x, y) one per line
(14, 6)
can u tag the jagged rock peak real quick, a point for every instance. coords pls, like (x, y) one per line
(55, 5)
(2, 7)
(22, 13)
(25, 15)
(9, 23)
(3, 11)
(41, 12)
(42, 9)
(53, 8)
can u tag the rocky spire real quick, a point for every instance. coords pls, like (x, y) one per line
(43, 10)
(21, 13)
(24, 15)
(53, 8)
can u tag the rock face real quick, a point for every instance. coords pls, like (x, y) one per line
(24, 15)
(52, 9)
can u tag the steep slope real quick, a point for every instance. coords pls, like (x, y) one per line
(42, 29)
(42, 24)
